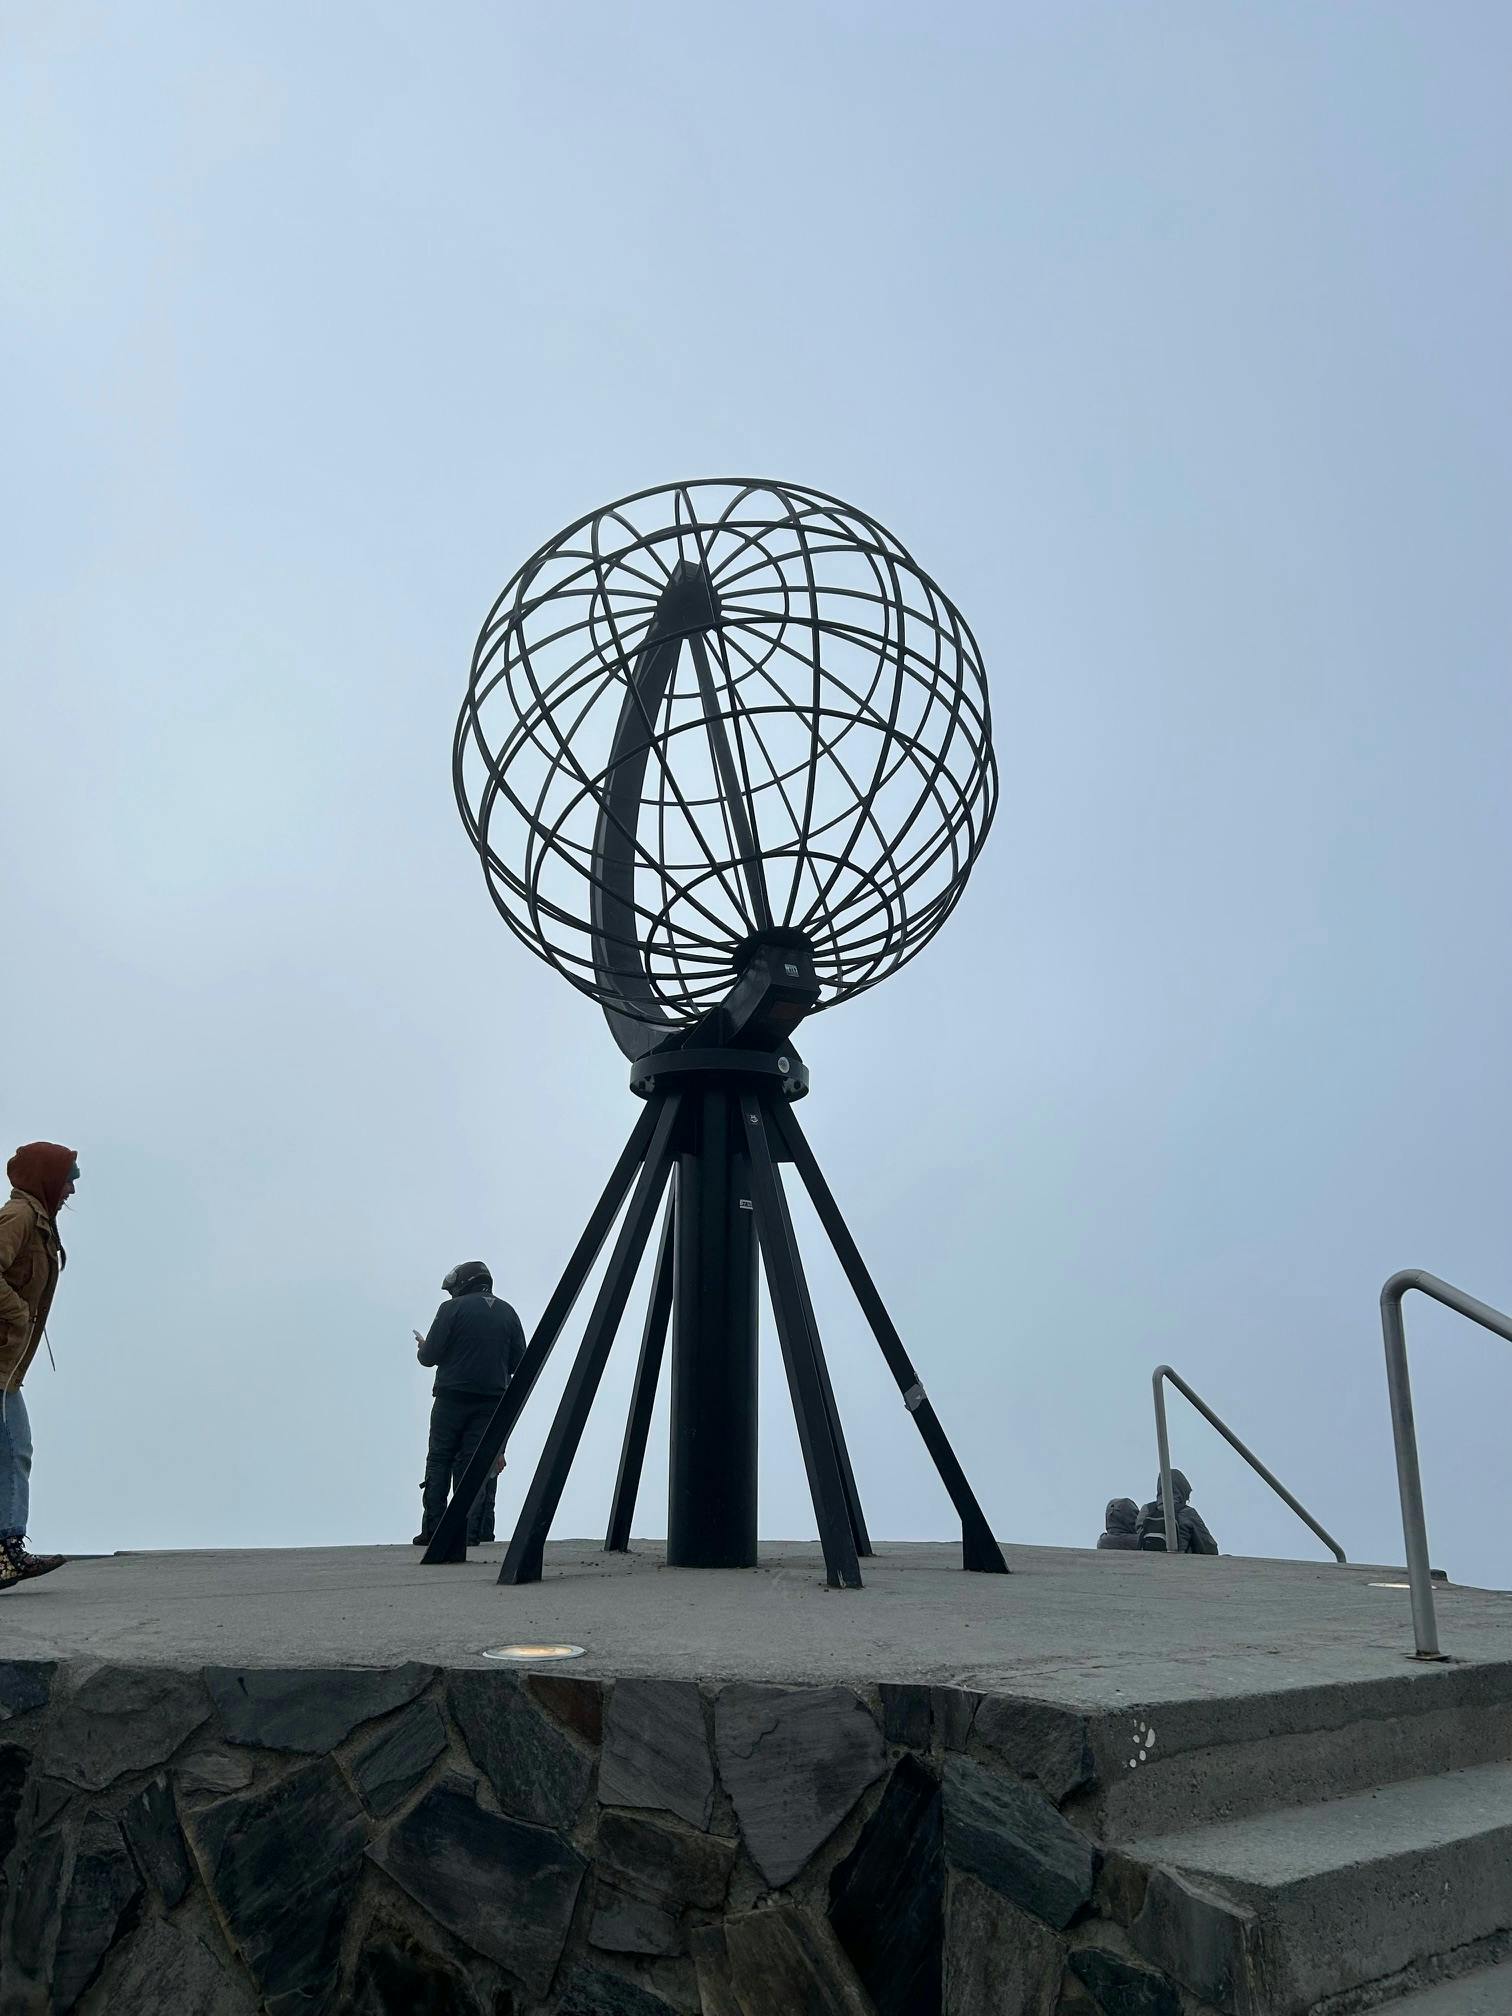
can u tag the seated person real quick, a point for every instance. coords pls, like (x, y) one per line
(1192, 1537)
(1118, 1524)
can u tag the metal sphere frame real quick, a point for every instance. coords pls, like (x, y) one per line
(817, 759)
(726, 757)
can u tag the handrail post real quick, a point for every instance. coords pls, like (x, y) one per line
(1167, 1491)
(1404, 1430)
(1409, 1476)
(1163, 1441)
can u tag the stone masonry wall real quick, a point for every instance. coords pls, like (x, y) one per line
(495, 1843)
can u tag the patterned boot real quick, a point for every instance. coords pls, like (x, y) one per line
(10, 1574)
(28, 1566)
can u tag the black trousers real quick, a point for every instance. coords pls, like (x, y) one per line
(456, 1427)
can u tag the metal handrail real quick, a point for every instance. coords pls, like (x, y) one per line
(1404, 1432)
(1168, 1496)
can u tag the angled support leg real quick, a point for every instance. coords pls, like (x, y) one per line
(785, 1282)
(837, 1435)
(979, 1550)
(522, 1560)
(449, 1543)
(853, 1510)
(643, 1397)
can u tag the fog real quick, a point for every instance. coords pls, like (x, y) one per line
(1172, 341)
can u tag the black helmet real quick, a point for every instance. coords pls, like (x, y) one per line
(467, 1275)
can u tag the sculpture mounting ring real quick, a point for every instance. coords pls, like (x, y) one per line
(716, 713)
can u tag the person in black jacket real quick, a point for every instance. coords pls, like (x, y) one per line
(1118, 1526)
(475, 1344)
(1192, 1536)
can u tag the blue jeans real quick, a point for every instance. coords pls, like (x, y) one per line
(15, 1466)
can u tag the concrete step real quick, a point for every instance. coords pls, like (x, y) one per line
(1486, 1993)
(1185, 1763)
(1273, 1914)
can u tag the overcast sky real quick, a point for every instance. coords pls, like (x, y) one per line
(1171, 338)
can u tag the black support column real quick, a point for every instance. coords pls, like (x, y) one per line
(711, 1511)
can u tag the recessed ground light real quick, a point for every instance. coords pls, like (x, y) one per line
(1388, 1585)
(521, 1655)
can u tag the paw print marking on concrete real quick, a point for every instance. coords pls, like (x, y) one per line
(1143, 1743)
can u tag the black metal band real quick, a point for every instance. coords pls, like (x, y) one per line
(663, 1069)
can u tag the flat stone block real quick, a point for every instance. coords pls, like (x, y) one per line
(782, 1959)
(907, 1714)
(1038, 1740)
(15, 1769)
(396, 1975)
(1012, 1839)
(389, 1767)
(50, 1797)
(282, 1865)
(997, 1958)
(124, 1718)
(594, 1992)
(955, 1711)
(1121, 1886)
(307, 1711)
(1075, 2000)
(577, 1704)
(24, 1685)
(1205, 1941)
(535, 1768)
(626, 1922)
(656, 1750)
(505, 1888)
(794, 1762)
(678, 1867)
(103, 1888)
(214, 1772)
(711, 1966)
(887, 1897)
(1121, 1987)
(923, 1717)
(38, 1885)
(166, 1971)
(649, 1874)
(157, 1842)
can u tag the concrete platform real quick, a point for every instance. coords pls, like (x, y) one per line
(1488, 1993)
(1089, 1630)
(1106, 1780)
(1345, 1876)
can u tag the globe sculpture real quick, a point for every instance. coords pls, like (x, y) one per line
(726, 758)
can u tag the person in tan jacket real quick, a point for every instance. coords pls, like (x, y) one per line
(31, 1259)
